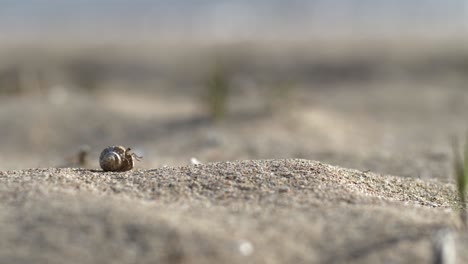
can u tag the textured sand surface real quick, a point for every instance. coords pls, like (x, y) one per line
(270, 211)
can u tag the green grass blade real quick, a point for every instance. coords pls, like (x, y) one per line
(458, 168)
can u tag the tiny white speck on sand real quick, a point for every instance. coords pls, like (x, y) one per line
(195, 161)
(245, 248)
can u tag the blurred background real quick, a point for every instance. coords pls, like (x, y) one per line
(371, 85)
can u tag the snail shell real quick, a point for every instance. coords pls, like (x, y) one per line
(117, 158)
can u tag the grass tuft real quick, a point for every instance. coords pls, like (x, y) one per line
(461, 177)
(217, 92)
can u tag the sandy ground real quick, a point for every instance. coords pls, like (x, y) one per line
(270, 211)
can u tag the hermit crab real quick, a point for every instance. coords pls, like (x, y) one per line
(117, 158)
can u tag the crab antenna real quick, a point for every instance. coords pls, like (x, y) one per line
(139, 158)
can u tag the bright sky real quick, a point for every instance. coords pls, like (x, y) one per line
(232, 19)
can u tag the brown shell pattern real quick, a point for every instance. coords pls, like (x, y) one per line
(117, 158)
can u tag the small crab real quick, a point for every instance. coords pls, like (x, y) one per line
(117, 158)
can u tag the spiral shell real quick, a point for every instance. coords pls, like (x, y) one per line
(117, 158)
